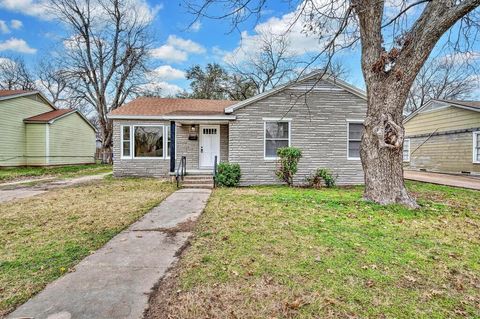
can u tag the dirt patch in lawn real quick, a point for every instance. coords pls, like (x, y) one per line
(224, 300)
(43, 237)
(183, 227)
(279, 252)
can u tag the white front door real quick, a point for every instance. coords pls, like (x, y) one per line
(209, 145)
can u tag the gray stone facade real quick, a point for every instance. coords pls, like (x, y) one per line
(136, 166)
(160, 167)
(318, 128)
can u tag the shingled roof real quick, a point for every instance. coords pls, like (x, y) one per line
(473, 104)
(47, 116)
(4, 93)
(154, 106)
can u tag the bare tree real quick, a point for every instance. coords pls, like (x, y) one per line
(208, 83)
(269, 66)
(395, 42)
(14, 74)
(239, 88)
(57, 85)
(105, 54)
(441, 78)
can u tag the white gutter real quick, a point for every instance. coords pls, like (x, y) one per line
(173, 117)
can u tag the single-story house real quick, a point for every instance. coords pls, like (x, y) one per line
(443, 136)
(36, 133)
(322, 116)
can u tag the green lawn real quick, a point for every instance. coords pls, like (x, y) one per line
(278, 252)
(43, 237)
(16, 173)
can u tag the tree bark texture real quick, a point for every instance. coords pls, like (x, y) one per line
(389, 75)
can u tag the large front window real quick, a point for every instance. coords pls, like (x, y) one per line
(148, 141)
(277, 135)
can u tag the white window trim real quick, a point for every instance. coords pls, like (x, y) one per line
(348, 139)
(133, 144)
(132, 141)
(409, 146)
(475, 136)
(121, 142)
(281, 120)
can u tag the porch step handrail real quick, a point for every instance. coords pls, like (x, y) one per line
(181, 170)
(215, 170)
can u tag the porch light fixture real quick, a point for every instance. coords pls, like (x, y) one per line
(193, 136)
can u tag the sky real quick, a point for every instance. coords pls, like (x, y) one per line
(26, 30)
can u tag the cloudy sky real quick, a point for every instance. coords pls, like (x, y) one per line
(27, 30)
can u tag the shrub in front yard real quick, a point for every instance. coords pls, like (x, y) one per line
(322, 176)
(228, 174)
(288, 163)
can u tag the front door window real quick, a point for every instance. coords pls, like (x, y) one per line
(209, 145)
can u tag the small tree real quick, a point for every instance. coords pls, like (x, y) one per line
(288, 163)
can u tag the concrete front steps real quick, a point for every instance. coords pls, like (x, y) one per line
(198, 181)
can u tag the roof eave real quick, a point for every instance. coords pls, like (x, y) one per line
(325, 76)
(172, 117)
(61, 116)
(13, 96)
(446, 103)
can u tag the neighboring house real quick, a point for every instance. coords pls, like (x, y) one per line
(322, 117)
(444, 136)
(35, 133)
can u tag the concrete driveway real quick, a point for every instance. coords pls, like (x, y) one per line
(15, 190)
(444, 179)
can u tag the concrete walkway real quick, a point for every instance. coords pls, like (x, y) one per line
(444, 179)
(8, 193)
(115, 281)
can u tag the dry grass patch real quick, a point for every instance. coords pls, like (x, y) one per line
(277, 252)
(21, 173)
(43, 237)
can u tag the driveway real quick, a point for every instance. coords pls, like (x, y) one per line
(14, 190)
(444, 179)
(115, 281)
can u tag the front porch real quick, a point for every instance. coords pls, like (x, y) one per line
(201, 142)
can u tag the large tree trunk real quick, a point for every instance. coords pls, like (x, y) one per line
(382, 145)
(107, 150)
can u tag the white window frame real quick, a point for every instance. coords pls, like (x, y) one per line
(475, 136)
(121, 142)
(281, 120)
(149, 158)
(355, 121)
(408, 157)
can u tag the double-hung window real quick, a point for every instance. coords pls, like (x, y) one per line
(354, 134)
(126, 142)
(406, 150)
(476, 147)
(276, 135)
